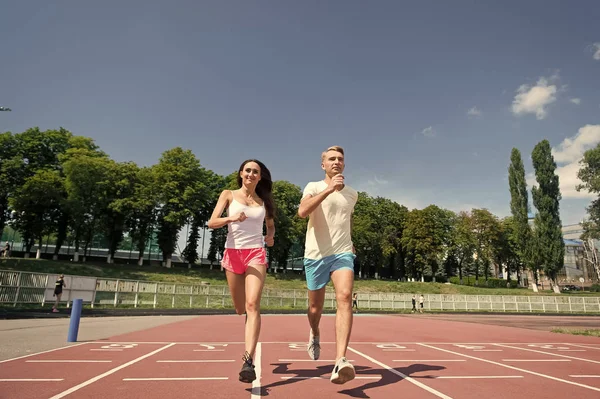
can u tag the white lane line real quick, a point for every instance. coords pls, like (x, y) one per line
(165, 343)
(584, 376)
(401, 375)
(48, 351)
(309, 360)
(450, 377)
(68, 361)
(195, 361)
(487, 350)
(256, 391)
(176, 379)
(399, 350)
(430, 360)
(512, 367)
(536, 360)
(584, 346)
(109, 372)
(549, 353)
(30, 379)
(107, 350)
(209, 350)
(327, 378)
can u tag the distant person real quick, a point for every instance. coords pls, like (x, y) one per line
(6, 250)
(58, 289)
(329, 255)
(355, 301)
(414, 304)
(245, 256)
(421, 300)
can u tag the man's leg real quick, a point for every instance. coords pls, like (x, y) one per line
(343, 282)
(316, 300)
(317, 277)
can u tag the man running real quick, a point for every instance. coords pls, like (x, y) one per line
(329, 255)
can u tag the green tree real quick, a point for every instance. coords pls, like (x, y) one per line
(589, 174)
(546, 198)
(10, 163)
(36, 204)
(85, 181)
(464, 242)
(176, 177)
(486, 229)
(140, 221)
(287, 200)
(519, 207)
(219, 236)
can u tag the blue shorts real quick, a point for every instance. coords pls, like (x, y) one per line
(318, 271)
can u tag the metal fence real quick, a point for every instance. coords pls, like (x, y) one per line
(37, 288)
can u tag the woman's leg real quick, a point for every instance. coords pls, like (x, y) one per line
(237, 290)
(255, 279)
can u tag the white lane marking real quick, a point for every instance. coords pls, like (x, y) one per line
(549, 353)
(402, 375)
(48, 351)
(68, 361)
(109, 372)
(256, 391)
(512, 367)
(327, 378)
(30, 379)
(584, 376)
(176, 379)
(430, 360)
(449, 377)
(536, 360)
(195, 361)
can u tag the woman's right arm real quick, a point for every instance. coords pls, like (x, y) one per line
(216, 220)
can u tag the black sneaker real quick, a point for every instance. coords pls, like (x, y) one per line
(247, 373)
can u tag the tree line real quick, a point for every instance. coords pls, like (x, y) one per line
(62, 187)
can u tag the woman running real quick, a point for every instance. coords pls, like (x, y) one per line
(245, 256)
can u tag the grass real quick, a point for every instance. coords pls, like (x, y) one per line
(593, 332)
(182, 275)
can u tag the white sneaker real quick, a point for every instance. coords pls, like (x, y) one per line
(314, 348)
(343, 371)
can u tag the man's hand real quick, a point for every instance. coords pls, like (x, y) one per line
(336, 183)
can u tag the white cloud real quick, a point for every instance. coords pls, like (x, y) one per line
(428, 132)
(576, 101)
(596, 47)
(376, 181)
(474, 112)
(535, 99)
(567, 156)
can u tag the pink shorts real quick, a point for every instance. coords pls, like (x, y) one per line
(238, 260)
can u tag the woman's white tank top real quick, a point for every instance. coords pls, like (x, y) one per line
(249, 233)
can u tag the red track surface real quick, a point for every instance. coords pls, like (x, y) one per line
(411, 357)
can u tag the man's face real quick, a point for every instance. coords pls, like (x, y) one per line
(333, 163)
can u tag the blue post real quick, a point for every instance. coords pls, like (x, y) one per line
(75, 316)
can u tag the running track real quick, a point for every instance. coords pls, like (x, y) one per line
(395, 356)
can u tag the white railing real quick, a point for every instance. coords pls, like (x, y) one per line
(37, 288)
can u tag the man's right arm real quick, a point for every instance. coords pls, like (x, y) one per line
(310, 203)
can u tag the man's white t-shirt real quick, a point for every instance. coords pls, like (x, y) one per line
(328, 232)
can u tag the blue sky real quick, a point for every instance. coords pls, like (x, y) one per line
(428, 98)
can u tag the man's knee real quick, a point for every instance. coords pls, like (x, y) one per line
(343, 295)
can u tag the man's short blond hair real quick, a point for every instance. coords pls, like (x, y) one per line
(332, 148)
